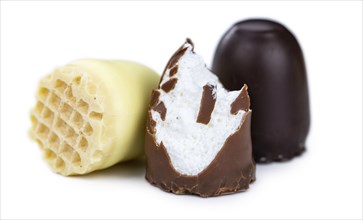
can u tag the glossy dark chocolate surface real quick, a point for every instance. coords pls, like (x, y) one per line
(265, 55)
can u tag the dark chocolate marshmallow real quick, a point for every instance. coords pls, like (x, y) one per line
(266, 56)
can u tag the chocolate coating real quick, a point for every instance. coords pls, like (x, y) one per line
(266, 56)
(206, 105)
(242, 101)
(169, 85)
(223, 176)
(233, 168)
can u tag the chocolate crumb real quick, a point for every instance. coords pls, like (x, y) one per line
(154, 98)
(242, 101)
(173, 71)
(160, 107)
(169, 85)
(206, 104)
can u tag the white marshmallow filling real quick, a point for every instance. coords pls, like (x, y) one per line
(192, 146)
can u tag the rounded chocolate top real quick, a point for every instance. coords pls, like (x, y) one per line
(266, 56)
(258, 25)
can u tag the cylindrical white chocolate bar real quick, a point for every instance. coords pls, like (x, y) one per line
(91, 114)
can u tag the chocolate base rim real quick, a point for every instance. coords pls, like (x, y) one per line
(199, 195)
(284, 158)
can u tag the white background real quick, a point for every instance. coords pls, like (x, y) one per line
(326, 182)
